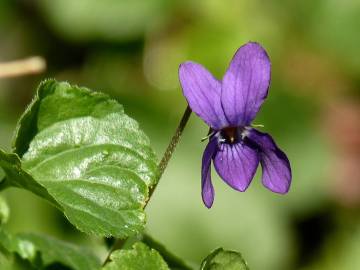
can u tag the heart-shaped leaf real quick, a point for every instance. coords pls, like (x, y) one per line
(91, 158)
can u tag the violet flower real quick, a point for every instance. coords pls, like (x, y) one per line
(228, 107)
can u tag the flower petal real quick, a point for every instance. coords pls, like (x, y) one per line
(245, 84)
(276, 166)
(202, 91)
(236, 164)
(207, 189)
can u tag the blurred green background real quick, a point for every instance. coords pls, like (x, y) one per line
(131, 50)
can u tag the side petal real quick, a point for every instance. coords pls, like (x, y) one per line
(245, 84)
(203, 92)
(207, 189)
(276, 174)
(236, 164)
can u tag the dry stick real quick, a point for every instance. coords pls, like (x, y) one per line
(119, 243)
(31, 65)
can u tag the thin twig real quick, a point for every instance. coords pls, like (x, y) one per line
(119, 243)
(31, 65)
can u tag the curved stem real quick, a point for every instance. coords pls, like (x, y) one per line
(119, 243)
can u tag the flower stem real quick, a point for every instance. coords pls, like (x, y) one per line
(171, 147)
(119, 243)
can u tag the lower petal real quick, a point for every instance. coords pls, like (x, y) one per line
(275, 164)
(236, 164)
(207, 189)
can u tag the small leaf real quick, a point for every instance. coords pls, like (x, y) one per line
(42, 251)
(140, 257)
(221, 259)
(90, 157)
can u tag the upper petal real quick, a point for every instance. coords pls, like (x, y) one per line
(275, 164)
(236, 164)
(245, 84)
(207, 189)
(203, 92)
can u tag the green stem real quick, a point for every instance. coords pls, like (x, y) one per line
(171, 148)
(119, 243)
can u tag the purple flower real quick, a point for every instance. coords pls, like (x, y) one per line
(228, 107)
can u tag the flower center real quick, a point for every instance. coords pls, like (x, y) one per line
(229, 135)
(232, 135)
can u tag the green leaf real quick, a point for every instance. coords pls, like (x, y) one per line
(12, 244)
(16, 176)
(140, 257)
(56, 251)
(221, 259)
(90, 156)
(42, 251)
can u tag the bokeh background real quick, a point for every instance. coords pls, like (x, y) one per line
(131, 50)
